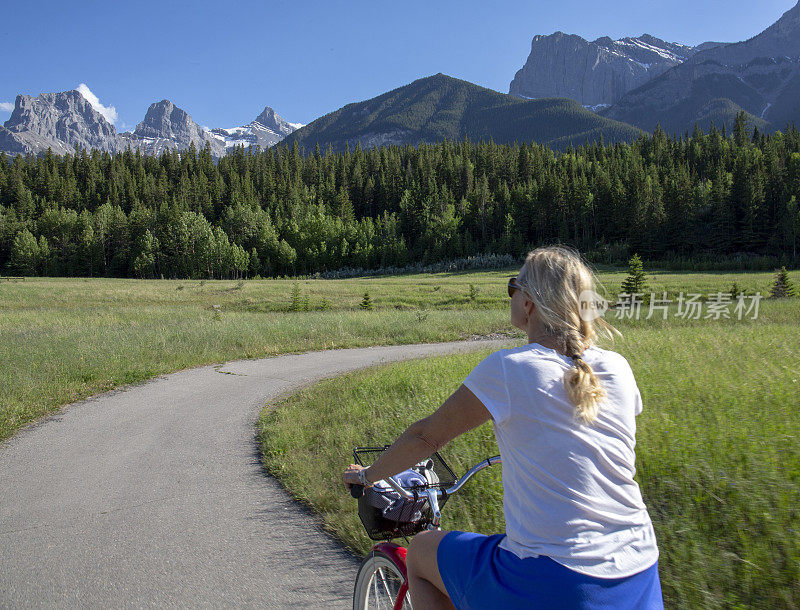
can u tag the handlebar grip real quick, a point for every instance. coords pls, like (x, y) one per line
(356, 491)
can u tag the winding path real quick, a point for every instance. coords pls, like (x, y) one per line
(154, 495)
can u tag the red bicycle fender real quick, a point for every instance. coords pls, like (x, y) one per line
(396, 552)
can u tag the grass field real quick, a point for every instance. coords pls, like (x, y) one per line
(63, 339)
(718, 451)
(718, 455)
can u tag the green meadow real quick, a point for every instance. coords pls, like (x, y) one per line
(718, 453)
(718, 441)
(64, 339)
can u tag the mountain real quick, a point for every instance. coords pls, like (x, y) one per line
(596, 73)
(62, 121)
(167, 127)
(266, 130)
(440, 108)
(760, 76)
(59, 121)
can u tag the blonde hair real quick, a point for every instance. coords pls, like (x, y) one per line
(554, 278)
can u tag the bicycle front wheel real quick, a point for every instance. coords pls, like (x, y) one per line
(379, 583)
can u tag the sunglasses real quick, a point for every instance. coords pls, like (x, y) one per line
(512, 286)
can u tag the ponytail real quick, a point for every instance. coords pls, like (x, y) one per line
(582, 385)
(584, 390)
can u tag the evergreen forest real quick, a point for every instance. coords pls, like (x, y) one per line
(286, 211)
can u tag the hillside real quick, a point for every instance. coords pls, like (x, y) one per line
(440, 108)
(760, 76)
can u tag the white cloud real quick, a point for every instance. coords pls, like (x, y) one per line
(7, 106)
(109, 112)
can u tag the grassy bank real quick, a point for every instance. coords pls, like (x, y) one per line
(718, 458)
(63, 339)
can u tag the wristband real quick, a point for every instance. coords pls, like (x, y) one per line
(362, 478)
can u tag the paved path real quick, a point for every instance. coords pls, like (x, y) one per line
(155, 496)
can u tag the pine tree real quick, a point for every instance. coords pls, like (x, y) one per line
(366, 302)
(740, 135)
(783, 286)
(254, 263)
(294, 303)
(636, 282)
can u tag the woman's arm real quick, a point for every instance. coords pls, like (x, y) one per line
(459, 413)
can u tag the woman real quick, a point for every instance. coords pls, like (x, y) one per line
(578, 534)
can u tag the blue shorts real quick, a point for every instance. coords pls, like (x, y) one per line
(480, 575)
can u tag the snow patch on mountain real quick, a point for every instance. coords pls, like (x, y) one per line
(266, 130)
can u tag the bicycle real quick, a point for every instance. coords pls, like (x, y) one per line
(392, 511)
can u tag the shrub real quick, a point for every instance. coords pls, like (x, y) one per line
(470, 263)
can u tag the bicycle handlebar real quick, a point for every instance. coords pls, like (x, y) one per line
(491, 461)
(358, 490)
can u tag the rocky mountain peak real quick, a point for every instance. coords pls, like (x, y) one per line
(165, 120)
(48, 113)
(59, 121)
(267, 116)
(271, 120)
(166, 126)
(596, 73)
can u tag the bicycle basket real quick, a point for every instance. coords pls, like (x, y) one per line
(384, 514)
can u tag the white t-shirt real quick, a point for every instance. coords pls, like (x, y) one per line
(568, 488)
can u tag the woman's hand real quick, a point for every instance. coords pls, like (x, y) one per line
(350, 475)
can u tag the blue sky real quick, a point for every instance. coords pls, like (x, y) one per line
(224, 61)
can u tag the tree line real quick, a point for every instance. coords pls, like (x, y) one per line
(285, 211)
